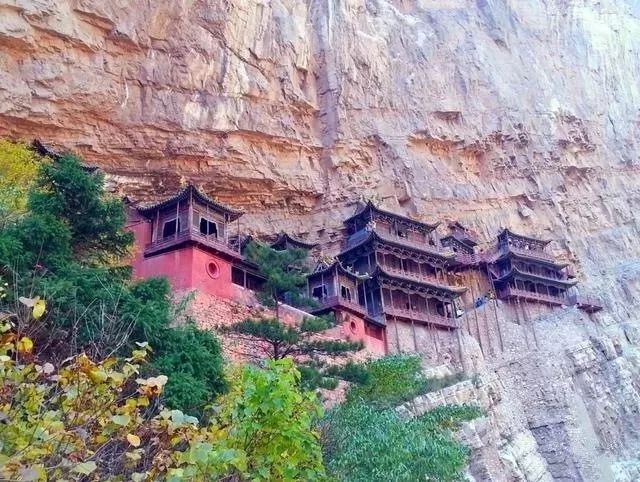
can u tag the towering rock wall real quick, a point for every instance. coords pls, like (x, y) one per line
(494, 112)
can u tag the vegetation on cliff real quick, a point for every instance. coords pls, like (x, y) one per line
(97, 370)
(68, 244)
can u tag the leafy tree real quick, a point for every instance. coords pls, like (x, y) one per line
(70, 247)
(70, 194)
(363, 443)
(18, 169)
(365, 439)
(277, 340)
(272, 422)
(98, 420)
(284, 273)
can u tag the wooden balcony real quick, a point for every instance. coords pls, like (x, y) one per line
(415, 244)
(422, 317)
(509, 292)
(190, 236)
(361, 235)
(337, 302)
(410, 275)
(528, 253)
(469, 259)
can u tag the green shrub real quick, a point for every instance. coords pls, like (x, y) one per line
(392, 380)
(71, 248)
(363, 443)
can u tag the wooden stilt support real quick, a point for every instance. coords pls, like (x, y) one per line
(431, 330)
(526, 336)
(395, 321)
(495, 308)
(475, 314)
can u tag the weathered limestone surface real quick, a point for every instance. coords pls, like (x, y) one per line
(494, 112)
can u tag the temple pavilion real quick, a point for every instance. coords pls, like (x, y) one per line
(193, 241)
(462, 241)
(393, 268)
(521, 269)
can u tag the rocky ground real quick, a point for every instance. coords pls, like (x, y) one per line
(493, 112)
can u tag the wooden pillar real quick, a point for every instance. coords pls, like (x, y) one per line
(526, 336)
(244, 279)
(155, 234)
(413, 328)
(495, 308)
(177, 220)
(395, 321)
(190, 213)
(475, 314)
(431, 328)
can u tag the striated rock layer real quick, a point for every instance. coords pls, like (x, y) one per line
(495, 112)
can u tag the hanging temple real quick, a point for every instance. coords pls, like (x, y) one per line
(392, 278)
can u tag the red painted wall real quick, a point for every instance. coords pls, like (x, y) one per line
(352, 327)
(189, 268)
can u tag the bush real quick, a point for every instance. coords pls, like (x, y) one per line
(392, 380)
(71, 248)
(363, 443)
(89, 420)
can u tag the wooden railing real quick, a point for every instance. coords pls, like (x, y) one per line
(469, 259)
(339, 301)
(530, 253)
(509, 292)
(358, 237)
(422, 317)
(414, 276)
(189, 235)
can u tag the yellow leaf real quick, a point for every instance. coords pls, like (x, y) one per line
(25, 345)
(133, 440)
(97, 376)
(39, 308)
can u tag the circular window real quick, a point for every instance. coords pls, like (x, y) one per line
(212, 269)
(353, 326)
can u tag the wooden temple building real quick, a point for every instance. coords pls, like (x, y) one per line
(193, 241)
(391, 270)
(522, 269)
(392, 274)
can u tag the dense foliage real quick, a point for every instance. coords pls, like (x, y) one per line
(366, 444)
(284, 272)
(69, 246)
(365, 439)
(18, 169)
(85, 420)
(392, 380)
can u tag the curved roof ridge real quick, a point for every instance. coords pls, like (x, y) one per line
(185, 193)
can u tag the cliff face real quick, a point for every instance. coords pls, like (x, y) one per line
(493, 112)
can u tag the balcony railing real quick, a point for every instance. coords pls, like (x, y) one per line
(189, 235)
(339, 301)
(509, 292)
(468, 259)
(414, 276)
(422, 316)
(530, 253)
(361, 235)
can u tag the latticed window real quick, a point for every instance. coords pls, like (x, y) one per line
(208, 228)
(170, 228)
